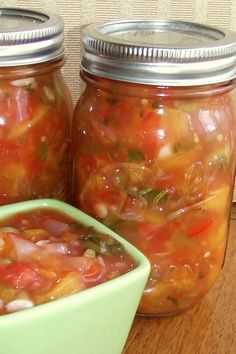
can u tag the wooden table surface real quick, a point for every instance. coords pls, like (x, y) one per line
(208, 328)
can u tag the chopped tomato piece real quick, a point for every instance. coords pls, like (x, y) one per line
(92, 274)
(155, 236)
(148, 132)
(201, 227)
(20, 276)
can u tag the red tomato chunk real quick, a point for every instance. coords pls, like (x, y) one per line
(45, 256)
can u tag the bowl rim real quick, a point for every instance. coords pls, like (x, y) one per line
(142, 268)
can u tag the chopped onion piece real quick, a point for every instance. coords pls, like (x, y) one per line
(54, 226)
(131, 215)
(101, 210)
(78, 264)
(56, 247)
(23, 248)
(48, 92)
(53, 247)
(165, 151)
(19, 304)
(42, 243)
(25, 82)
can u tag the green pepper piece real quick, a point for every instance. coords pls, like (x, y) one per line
(101, 243)
(135, 155)
(42, 151)
(156, 104)
(112, 100)
(152, 196)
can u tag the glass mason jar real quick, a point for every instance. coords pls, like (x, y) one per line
(35, 108)
(154, 149)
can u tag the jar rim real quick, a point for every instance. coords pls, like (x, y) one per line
(149, 91)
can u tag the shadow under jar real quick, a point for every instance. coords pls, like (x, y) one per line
(35, 107)
(154, 149)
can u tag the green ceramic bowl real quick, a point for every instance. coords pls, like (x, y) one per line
(94, 321)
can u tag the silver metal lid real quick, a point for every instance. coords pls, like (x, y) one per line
(29, 37)
(161, 52)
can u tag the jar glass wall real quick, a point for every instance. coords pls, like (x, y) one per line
(35, 111)
(156, 164)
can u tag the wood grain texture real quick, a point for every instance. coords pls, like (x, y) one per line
(209, 328)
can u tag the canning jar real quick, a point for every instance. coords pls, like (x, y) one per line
(35, 107)
(154, 149)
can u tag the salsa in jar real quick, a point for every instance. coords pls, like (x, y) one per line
(45, 255)
(35, 109)
(156, 163)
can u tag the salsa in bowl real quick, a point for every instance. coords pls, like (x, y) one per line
(49, 250)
